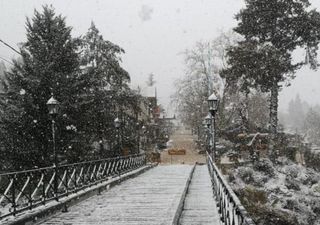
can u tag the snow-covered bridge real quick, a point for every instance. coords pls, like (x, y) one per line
(123, 190)
(163, 194)
(154, 197)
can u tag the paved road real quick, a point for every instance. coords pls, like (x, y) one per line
(182, 139)
(149, 199)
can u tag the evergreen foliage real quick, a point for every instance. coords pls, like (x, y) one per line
(105, 93)
(84, 75)
(49, 65)
(272, 29)
(312, 126)
(101, 78)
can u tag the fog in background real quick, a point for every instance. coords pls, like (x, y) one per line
(154, 33)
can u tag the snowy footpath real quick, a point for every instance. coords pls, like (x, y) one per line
(149, 199)
(199, 206)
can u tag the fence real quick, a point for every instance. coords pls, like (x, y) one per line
(230, 208)
(23, 190)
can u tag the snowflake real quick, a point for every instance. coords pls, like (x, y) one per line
(22, 92)
(71, 127)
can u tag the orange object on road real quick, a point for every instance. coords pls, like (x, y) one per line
(176, 151)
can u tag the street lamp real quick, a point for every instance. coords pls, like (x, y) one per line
(213, 103)
(208, 120)
(207, 124)
(100, 147)
(117, 124)
(144, 130)
(138, 136)
(53, 108)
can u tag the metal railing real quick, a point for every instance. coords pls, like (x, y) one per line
(230, 208)
(24, 190)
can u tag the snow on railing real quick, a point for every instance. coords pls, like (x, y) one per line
(230, 208)
(24, 190)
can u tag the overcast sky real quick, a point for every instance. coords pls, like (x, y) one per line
(152, 32)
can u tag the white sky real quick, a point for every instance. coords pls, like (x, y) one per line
(152, 32)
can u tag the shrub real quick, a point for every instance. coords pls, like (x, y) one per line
(265, 166)
(250, 196)
(292, 171)
(246, 174)
(269, 216)
(292, 184)
(255, 200)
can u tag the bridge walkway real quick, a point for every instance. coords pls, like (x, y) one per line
(156, 197)
(151, 198)
(199, 206)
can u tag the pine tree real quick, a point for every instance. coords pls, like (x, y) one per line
(273, 29)
(104, 84)
(297, 110)
(312, 126)
(49, 65)
(3, 79)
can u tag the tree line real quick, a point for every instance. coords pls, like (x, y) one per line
(85, 75)
(249, 66)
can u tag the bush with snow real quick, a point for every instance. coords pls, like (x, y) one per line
(291, 192)
(265, 166)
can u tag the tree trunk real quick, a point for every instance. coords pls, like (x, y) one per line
(273, 119)
(274, 108)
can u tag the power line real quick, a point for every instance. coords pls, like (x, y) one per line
(12, 48)
(6, 60)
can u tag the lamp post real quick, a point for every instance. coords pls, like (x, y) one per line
(53, 108)
(138, 136)
(207, 123)
(144, 130)
(117, 124)
(100, 148)
(213, 103)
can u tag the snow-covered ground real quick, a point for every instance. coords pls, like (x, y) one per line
(315, 149)
(283, 191)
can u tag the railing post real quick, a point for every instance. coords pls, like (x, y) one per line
(67, 180)
(75, 178)
(43, 191)
(13, 194)
(30, 193)
(229, 206)
(42, 184)
(56, 182)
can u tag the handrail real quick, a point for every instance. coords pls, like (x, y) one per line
(24, 190)
(230, 207)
